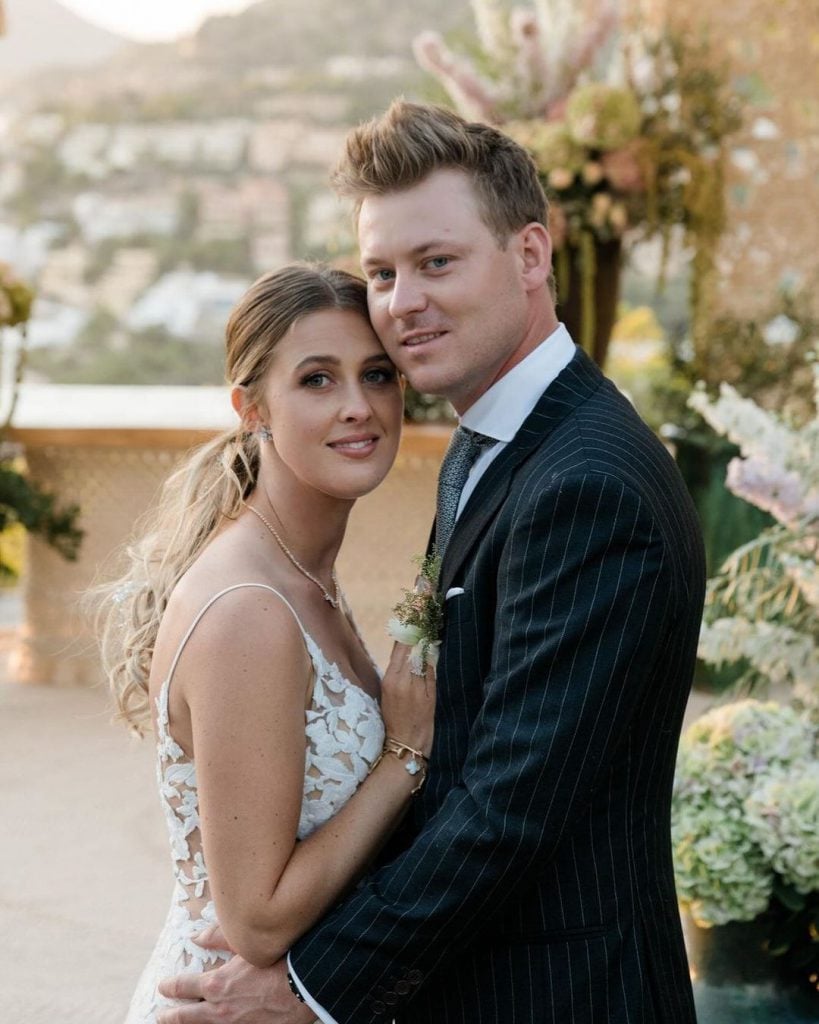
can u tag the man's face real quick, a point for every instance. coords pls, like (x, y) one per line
(447, 302)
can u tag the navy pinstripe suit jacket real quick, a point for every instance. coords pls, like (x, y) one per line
(537, 884)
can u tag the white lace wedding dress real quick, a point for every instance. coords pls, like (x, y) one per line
(344, 735)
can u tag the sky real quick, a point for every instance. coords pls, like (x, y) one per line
(152, 19)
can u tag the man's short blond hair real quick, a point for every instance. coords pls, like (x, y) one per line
(409, 141)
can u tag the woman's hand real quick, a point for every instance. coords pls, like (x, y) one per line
(408, 702)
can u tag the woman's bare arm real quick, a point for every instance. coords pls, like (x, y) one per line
(245, 678)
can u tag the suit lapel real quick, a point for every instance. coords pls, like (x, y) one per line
(576, 383)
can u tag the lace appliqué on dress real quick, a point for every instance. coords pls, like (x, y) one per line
(344, 735)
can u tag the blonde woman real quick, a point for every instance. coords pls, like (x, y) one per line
(231, 634)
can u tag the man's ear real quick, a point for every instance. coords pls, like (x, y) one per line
(535, 247)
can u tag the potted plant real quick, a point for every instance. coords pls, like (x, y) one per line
(746, 796)
(745, 829)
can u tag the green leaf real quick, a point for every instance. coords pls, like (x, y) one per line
(788, 896)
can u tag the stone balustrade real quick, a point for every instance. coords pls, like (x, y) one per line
(109, 449)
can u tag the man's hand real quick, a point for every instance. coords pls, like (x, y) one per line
(236, 993)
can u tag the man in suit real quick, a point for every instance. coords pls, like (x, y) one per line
(534, 881)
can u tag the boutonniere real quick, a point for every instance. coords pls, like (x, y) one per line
(418, 619)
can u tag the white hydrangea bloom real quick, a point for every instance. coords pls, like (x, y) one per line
(723, 872)
(784, 814)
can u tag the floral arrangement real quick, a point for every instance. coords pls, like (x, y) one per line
(627, 129)
(745, 826)
(763, 605)
(730, 840)
(418, 619)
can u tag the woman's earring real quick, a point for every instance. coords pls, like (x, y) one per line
(264, 433)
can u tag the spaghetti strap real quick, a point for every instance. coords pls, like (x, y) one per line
(228, 590)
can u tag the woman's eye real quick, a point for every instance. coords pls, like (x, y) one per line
(384, 275)
(316, 380)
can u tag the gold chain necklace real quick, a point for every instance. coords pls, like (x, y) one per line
(333, 601)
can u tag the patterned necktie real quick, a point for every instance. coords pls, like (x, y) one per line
(464, 448)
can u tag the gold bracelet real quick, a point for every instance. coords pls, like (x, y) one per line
(417, 765)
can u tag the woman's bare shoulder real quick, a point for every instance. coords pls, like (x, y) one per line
(241, 608)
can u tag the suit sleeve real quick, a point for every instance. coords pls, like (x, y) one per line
(582, 593)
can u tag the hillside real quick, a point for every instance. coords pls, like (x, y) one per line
(295, 48)
(142, 197)
(43, 34)
(286, 34)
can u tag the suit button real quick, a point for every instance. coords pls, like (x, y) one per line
(390, 997)
(415, 977)
(378, 1007)
(402, 987)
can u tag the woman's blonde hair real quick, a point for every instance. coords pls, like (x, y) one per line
(211, 484)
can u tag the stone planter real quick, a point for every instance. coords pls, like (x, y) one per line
(736, 982)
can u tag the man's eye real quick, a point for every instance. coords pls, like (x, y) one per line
(438, 262)
(379, 376)
(384, 275)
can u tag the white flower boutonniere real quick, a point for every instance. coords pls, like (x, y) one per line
(418, 619)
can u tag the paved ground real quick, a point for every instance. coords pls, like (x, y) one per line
(84, 865)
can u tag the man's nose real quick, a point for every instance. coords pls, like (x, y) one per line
(407, 297)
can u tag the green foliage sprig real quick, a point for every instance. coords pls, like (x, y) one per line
(419, 618)
(36, 510)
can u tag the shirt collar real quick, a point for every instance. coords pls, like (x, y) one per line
(501, 411)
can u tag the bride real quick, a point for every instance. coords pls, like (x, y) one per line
(230, 632)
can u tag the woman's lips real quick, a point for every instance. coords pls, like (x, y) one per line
(355, 447)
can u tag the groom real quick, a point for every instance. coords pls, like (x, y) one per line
(535, 881)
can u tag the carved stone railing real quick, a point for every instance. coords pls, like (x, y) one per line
(109, 449)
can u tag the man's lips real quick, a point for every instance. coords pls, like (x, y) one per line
(412, 339)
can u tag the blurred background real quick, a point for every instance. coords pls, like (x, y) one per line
(156, 158)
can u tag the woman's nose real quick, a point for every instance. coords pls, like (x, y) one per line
(356, 405)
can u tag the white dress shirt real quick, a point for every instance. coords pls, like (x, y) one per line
(499, 413)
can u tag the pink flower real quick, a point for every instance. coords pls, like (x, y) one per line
(592, 172)
(560, 178)
(771, 488)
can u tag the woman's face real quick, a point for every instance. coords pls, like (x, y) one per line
(334, 404)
